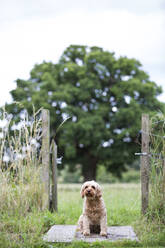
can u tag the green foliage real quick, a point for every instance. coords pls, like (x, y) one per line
(65, 176)
(157, 168)
(103, 95)
(103, 176)
(130, 176)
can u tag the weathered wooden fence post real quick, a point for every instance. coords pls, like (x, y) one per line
(54, 176)
(46, 156)
(145, 163)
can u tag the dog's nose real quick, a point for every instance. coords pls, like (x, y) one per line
(88, 190)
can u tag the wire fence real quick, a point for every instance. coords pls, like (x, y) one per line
(153, 155)
(152, 141)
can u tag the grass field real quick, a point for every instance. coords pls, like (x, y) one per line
(123, 207)
(122, 202)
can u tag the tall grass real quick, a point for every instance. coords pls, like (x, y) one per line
(157, 172)
(20, 186)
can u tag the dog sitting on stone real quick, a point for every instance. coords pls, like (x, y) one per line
(94, 216)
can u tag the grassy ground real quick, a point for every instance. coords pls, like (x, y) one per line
(123, 207)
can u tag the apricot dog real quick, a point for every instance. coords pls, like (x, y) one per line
(94, 216)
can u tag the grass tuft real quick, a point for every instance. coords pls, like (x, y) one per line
(20, 186)
(157, 170)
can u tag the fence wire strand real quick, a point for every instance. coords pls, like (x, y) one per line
(156, 122)
(152, 134)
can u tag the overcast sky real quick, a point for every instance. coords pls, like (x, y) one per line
(35, 30)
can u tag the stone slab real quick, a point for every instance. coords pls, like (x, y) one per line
(60, 233)
(68, 233)
(115, 233)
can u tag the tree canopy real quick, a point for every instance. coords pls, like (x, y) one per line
(104, 96)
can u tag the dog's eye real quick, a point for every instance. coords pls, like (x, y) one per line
(93, 187)
(86, 187)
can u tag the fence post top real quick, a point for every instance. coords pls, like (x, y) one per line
(45, 109)
(145, 115)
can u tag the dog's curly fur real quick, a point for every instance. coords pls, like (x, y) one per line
(94, 216)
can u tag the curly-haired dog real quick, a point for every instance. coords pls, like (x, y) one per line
(94, 216)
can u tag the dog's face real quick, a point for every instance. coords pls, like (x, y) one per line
(91, 189)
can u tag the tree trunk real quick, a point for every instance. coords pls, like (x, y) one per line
(89, 170)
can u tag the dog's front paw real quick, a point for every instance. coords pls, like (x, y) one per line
(86, 233)
(102, 233)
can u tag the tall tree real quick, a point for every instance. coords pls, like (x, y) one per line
(103, 95)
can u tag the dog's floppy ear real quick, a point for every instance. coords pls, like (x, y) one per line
(82, 191)
(99, 192)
